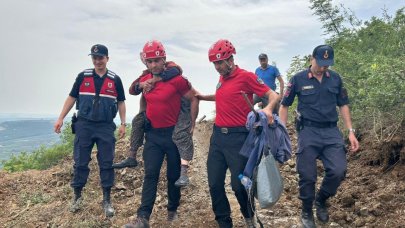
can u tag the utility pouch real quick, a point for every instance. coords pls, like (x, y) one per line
(298, 121)
(73, 125)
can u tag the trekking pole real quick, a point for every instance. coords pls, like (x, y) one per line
(256, 127)
(252, 108)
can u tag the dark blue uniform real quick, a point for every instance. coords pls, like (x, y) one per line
(97, 99)
(320, 137)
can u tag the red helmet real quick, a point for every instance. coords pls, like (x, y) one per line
(220, 50)
(153, 49)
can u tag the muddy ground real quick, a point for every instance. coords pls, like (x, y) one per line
(373, 194)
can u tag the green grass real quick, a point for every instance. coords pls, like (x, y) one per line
(43, 157)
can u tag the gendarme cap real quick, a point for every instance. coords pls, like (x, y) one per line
(99, 50)
(324, 55)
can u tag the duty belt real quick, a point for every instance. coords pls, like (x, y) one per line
(310, 123)
(228, 130)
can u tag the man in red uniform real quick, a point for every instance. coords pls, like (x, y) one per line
(98, 93)
(162, 111)
(229, 131)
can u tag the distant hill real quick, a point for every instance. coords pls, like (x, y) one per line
(25, 135)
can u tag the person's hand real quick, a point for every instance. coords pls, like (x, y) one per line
(146, 85)
(269, 115)
(58, 125)
(198, 95)
(354, 144)
(121, 131)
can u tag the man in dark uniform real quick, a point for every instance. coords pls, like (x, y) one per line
(229, 131)
(98, 94)
(162, 111)
(319, 91)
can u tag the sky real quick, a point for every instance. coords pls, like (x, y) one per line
(45, 43)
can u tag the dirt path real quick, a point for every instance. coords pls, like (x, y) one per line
(369, 197)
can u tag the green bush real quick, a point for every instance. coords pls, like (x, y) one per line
(43, 157)
(370, 58)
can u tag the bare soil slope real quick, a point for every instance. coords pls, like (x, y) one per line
(371, 196)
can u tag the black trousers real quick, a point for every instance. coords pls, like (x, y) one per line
(87, 134)
(158, 144)
(325, 144)
(224, 154)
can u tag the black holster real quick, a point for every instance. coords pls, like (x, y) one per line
(73, 125)
(298, 122)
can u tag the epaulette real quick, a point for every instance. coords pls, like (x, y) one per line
(88, 72)
(111, 74)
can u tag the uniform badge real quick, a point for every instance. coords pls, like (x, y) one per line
(326, 55)
(95, 49)
(110, 85)
(307, 87)
(87, 84)
(219, 85)
(260, 81)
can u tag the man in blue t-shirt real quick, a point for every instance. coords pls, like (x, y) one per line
(268, 74)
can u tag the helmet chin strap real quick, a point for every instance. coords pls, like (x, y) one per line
(229, 67)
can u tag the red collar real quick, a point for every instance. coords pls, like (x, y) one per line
(310, 75)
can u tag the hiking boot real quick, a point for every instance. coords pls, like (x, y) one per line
(128, 162)
(225, 222)
(307, 219)
(76, 205)
(172, 215)
(183, 181)
(108, 209)
(140, 222)
(250, 222)
(322, 211)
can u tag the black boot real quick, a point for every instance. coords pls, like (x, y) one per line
(77, 200)
(321, 208)
(183, 179)
(307, 219)
(225, 222)
(108, 209)
(128, 162)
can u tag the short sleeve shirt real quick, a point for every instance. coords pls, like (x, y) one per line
(231, 107)
(164, 100)
(268, 75)
(317, 101)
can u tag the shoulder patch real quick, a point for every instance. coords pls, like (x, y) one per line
(219, 85)
(260, 81)
(343, 93)
(288, 90)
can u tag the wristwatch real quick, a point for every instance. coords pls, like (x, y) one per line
(124, 124)
(352, 130)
